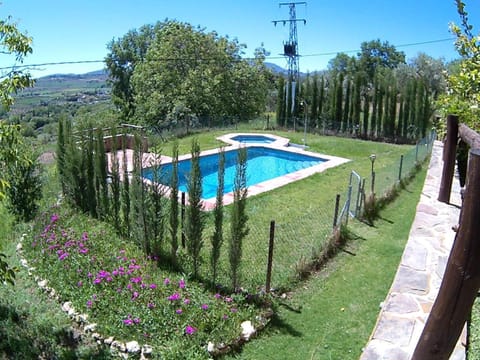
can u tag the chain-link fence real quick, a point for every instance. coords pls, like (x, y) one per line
(301, 237)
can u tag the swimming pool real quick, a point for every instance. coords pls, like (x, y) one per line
(253, 139)
(263, 164)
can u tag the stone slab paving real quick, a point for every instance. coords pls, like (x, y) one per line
(405, 310)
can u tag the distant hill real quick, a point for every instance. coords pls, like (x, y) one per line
(276, 68)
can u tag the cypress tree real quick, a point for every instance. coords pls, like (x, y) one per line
(315, 98)
(373, 120)
(357, 101)
(217, 238)
(91, 200)
(126, 199)
(239, 218)
(173, 219)
(321, 99)
(346, 107)
(156, 215)
(339, 99)
(115, 183)
(195, 221)
(366, 114)
(61, 150)
(101, 170)
(281, 102)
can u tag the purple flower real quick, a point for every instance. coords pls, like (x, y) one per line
(83, 251)
(228, 299)
(128, 322)
(204, 307)
(218, 296)
(225, 317)
(190, 330)
(135, 295)
(153, 286)
(166, 281)
(150, 305)
(97, 281)
(174, 297)
(80, 283)
(233, 310)
(53, 218)
(186, 301)
(136, 321)
(136, 280)
(179, 311)
(181, 284)
(84, 236)
(63, 256)
(89, 303)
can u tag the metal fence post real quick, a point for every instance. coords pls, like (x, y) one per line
(400, 169)
(335, 215)
(270, 256)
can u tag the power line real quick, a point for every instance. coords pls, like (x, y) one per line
(176, 59)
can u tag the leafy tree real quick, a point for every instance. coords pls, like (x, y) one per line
(203, 71)
(239, 218)
(463, 97)
(376, 54)
(15, 44)
(124, 55)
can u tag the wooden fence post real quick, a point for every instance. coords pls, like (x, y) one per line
(461, 280)
(270, 256)
(449, 153)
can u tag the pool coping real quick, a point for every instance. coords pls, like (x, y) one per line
(151, 159)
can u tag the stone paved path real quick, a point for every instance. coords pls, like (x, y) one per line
(404, 312)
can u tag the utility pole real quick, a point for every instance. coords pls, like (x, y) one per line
(290, 51)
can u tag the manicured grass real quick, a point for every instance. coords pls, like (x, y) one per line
(332, 314)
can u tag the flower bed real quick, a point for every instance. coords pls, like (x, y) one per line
(107, 282)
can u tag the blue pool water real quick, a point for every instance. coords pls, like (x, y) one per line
(250, 139)
(262, 164)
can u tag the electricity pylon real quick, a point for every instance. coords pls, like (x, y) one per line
(290, 51)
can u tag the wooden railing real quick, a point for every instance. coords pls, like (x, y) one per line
(461, 280)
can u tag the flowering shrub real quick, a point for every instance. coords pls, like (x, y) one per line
(127, 295)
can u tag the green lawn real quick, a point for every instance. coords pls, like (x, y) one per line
(332, 314)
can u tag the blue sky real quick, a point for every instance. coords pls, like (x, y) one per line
(67, 30)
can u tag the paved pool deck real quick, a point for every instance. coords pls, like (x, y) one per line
(404, 312)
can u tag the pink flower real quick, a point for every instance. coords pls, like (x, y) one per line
(179, 311)
(150, 305)
(218, 296)
(186, 301)
(136, 321)
(135, 295)
(89, 303)
(136, 280)
(128, 322)
(53, 218)
(153, 286)
(80, 283)
(84, 236)
(190, 330)
(166, 281)
(228, 299)
(181, 284)
(204, 307)
(233, 310)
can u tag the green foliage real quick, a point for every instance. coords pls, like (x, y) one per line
(239, 217)
(25, 185)
(171, 70)
(463, 97)
(217, 237)
(18, 45)
(375, 54)
(195, 221)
